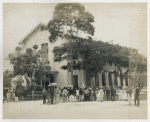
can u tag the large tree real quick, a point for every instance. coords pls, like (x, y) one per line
(92, 55)
(70, 21)
(29, 64)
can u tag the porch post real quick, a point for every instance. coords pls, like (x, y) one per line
(124, 82)
(107, 82)
(118, 79)
(113, 79)
(100, 79)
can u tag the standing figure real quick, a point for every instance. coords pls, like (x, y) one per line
(64, 95)
(115, 95)
(100, 95)
(44, 96)
(112, 94)
(71, 97)
(52, 94)
(68, 94)
(81, 92)
(95, 95)
(77, 94)
(86, 95)
(108, 94)
(136, 96)
(58, 95)
(104, 94)
(129, 92)
(8, 96)
(55, 95)
(48, 95)
(92, 95)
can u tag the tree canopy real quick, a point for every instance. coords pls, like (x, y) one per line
(91, 54)
(29, 64)
(70, 20)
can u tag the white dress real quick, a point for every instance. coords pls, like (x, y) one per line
(100, 95)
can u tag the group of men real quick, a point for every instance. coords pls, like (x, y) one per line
(72, 94)
(110, 94)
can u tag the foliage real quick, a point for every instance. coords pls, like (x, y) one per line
(91, 55)
(7, 77)
(18, 48)
(29, 64)
(70, 20)
(19, 89)
(35, 46)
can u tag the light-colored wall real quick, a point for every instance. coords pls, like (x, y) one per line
(81, 76)
(63, 78)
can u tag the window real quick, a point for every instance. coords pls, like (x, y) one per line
(75, 81)
(44, 52)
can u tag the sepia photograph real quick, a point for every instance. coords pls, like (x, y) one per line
(75, 60)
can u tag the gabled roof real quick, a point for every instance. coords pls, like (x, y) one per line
(22, 41)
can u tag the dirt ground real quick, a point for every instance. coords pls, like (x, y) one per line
(77, 110)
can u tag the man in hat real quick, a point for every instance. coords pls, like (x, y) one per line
(136, 96)
(112, 94)
(108, 94)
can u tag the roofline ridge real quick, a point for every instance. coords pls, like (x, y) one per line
(30, 32)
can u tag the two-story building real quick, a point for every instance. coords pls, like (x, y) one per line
(40, 36)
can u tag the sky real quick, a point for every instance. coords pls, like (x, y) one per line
(123, 23)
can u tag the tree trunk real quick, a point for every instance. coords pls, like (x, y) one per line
(49, 80)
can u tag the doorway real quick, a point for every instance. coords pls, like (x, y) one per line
(75, 81)
(110, 79)
(103, 79)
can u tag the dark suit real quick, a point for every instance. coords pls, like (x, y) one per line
(112, 94)
(108, 94)
(136, 97)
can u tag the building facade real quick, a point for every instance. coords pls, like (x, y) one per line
(40, 36)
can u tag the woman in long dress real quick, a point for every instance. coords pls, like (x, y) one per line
(48, 96)
(100, 95)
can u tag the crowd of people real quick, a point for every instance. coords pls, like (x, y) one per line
(75, 94)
